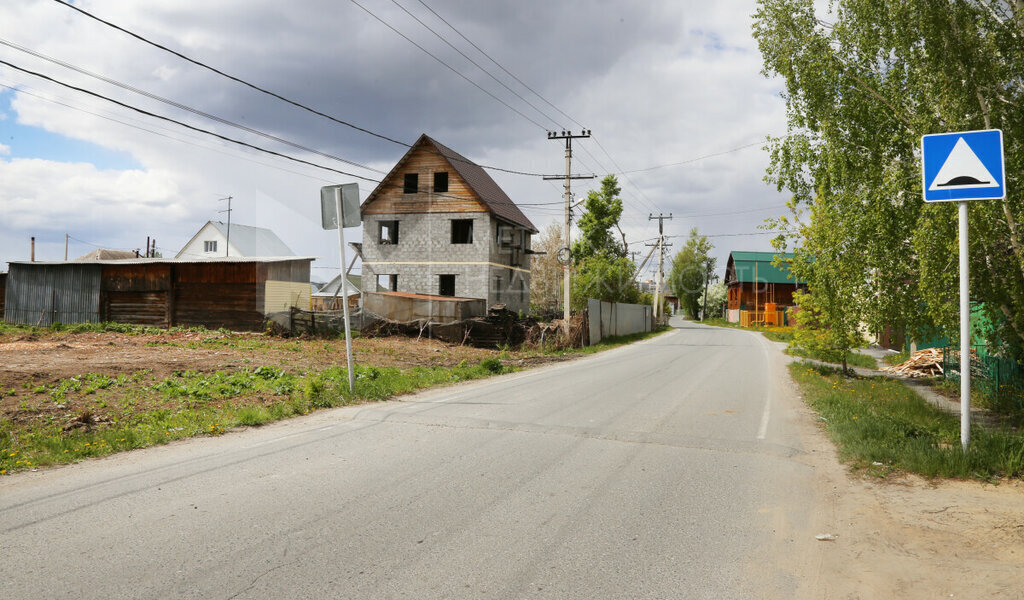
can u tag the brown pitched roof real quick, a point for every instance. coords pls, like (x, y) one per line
(476, 178)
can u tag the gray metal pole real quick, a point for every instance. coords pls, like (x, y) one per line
(344, 295)
(965, 332)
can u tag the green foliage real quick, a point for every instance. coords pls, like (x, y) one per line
(602, 211)
(692, 267)
(879, 420)
(604, 278)
(861, 86)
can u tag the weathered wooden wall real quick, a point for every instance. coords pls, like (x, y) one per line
(3, 293)
(744, 296)
(424, 162)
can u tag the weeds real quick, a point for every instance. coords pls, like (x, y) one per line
(881, 426)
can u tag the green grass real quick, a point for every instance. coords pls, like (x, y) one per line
(895, 359)
(880, 426)
(772, 332)
(209, 404)
(853, 359)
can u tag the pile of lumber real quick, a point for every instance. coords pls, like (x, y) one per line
(923, 363)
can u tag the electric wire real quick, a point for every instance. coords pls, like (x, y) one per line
(448, 66)
(229, 76)
(474, 63)
(234, 141)
(182, 123)
(500, 66)
(184, 107)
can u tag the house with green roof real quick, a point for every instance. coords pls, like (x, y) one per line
(758, 287)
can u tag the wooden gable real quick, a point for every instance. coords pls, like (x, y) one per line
(389, 198)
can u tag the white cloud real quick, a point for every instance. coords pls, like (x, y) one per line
(5, 150)
(657, 82)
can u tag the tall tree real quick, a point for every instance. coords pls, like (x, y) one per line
(545, 271)
(691, 268)
(602, 211)
(861, 87)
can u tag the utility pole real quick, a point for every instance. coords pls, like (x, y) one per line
(66, 236)
(227, 243)
(564, 254)
(660, 286)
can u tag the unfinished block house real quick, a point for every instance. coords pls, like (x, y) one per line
(439, 225)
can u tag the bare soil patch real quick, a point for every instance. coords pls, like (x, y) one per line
(31, 364)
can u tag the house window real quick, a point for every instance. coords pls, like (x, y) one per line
(387, 282)
(462, 231)
(412, 182)
(446, 285)
(210, 246)
(497, 288)
(441, 181)
(388, 232)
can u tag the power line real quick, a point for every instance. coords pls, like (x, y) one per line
(691, 160)
(184, 107)
(451, 68)
(510, 74)
(477, 65)
(231, 77)
(183, 124)
(232, 140)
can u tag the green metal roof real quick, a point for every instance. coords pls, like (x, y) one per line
(746, 267)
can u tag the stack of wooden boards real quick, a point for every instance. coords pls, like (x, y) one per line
(923, 363)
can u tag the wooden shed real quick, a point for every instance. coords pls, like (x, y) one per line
(759, 291)
(235, 293)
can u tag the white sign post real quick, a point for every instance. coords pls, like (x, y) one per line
(339, 208)
(959, 167)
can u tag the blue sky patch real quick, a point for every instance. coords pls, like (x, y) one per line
(34, 142)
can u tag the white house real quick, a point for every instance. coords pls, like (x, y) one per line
(215, 240)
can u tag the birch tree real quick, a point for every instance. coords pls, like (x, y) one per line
(862, 84)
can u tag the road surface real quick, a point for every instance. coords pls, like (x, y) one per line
(671, 468)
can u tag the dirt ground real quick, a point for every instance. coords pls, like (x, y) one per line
(28, 361)
(906, 537)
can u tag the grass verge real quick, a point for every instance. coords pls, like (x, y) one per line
(129, 411)
(853, 359)
(880, 427)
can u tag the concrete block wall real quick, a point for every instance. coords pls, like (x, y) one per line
(426, 238)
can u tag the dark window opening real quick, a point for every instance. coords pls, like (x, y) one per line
(497, 288)
(387, 282)
(388, 232)
(412, 182)
(441, 181)
(210, 246)
(446, 285)
(462, 231)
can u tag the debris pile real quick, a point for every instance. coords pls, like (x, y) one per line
(923, 363)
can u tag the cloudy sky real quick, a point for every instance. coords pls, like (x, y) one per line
(660, 83)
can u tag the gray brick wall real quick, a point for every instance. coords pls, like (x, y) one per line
(426, 238)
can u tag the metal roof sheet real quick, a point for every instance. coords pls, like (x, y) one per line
(746, 267)
(254, 241)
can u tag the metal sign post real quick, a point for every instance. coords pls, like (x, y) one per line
(960, 167)
(344, 197)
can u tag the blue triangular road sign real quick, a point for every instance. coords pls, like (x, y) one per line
(965, 165)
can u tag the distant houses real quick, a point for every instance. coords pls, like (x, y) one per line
(215, 239)
(759, 292)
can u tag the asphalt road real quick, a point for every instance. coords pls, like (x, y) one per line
(666, 469)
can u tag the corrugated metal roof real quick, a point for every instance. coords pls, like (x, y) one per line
(475, 177)
(333, 287)
(746, 267)
(254, 241)
(150, 261)
(107, 254)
